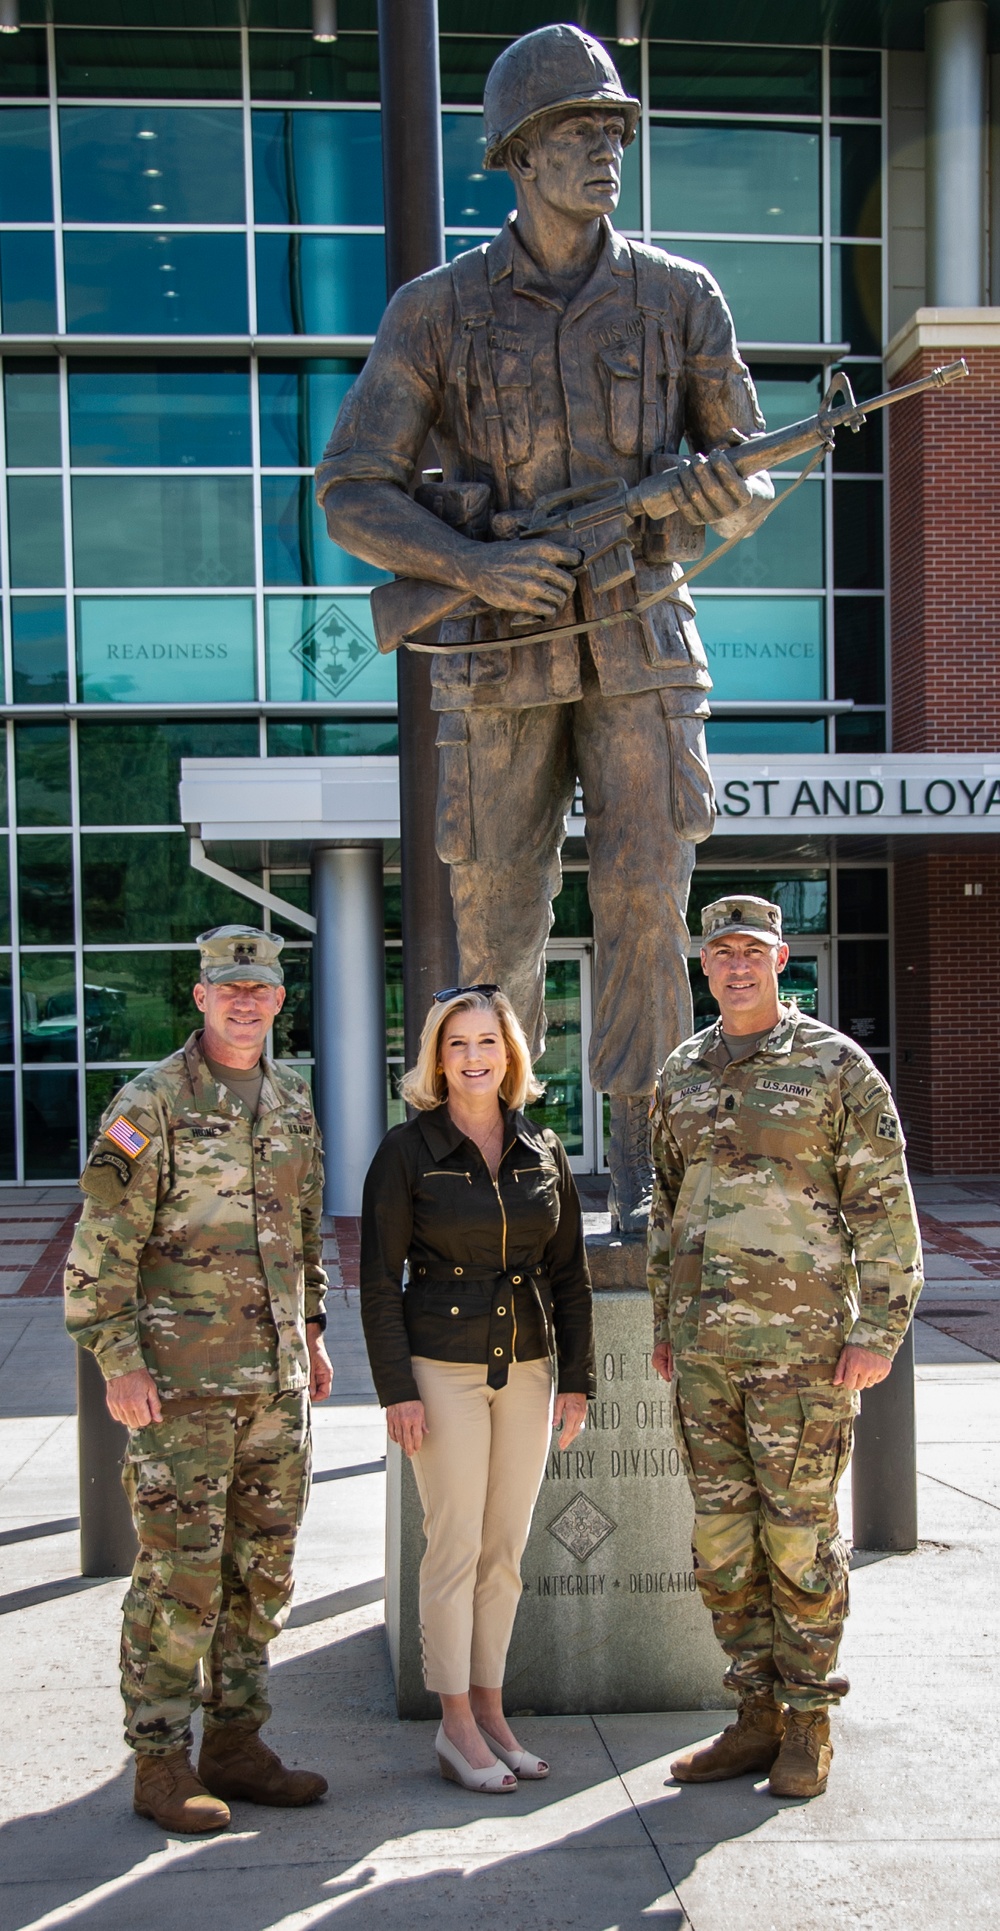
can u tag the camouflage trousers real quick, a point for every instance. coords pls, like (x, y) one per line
(218, 1490)
(764, 1448)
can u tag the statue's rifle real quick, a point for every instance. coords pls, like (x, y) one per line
(597, 520)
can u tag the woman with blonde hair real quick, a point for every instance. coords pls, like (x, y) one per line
(477, 1207)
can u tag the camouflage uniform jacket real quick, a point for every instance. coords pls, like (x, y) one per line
(199, 1258)
(782, 1223)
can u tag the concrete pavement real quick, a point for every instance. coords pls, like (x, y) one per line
(904, 1840)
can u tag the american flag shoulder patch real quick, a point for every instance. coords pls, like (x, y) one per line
(127, 1136)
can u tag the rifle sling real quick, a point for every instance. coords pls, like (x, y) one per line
(667, 595)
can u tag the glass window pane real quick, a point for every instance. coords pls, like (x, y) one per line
(323, 647)
(470, 194)
(863, 900)
(8, 1132)
(864, 977)
(4, 889)
(142, 762)
(159, 414)
(28, 281)
(856, 180)
(200, 66)
(757, 180)
(855, 81)
(561, 1064)
(323, 737)
(51, 1130)
(573, 916)
(293, 1026)
(859, 645)
(48, 1006)
(804, 901)
(129, 649)
(763, 647)
(25, 164)
(145, 284)
(858, 537)
(296, 887)
(6, 1018)
(317, 170)
(866, 449)
(787, 393)
(735, 79)
(861, 731)
(293, 67)
(45, 889)
(320, 284)
(34, 506)
(133, 530)
(764, 737)
(152, 164)
(24, 62)
(140, 887)
(38, 626)
(3, 777)
(299, 404)
(785, 553)
(297, 548)
(41, 774)
(772, 289)
(31, 398)
(856, 289)
(138, 1005)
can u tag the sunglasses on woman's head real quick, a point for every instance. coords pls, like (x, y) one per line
(455, 992)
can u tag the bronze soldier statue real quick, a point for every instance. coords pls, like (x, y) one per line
(557, 358)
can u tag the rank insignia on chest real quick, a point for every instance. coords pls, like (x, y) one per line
(886, 1128)
(127, 1136)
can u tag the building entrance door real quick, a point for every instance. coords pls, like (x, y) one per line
(570, 1106)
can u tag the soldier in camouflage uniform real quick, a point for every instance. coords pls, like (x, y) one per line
(195, 1278)
(784, 1264)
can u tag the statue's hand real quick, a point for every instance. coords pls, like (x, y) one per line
(535, 576)
(706, 488)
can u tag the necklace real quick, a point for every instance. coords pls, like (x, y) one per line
(489, 1143)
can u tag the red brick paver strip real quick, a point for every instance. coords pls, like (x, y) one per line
(45, 1277)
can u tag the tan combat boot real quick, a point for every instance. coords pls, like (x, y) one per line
(169, 1794)
(749, 1745)
(803, 1764)
(235, 1763)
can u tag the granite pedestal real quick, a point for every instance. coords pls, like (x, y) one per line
(610, 1619)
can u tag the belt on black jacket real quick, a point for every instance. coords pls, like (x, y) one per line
(467, 1284)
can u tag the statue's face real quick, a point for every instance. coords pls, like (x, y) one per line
(575, 161)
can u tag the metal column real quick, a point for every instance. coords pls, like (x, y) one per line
(349, 1016)
(957, 71)
(414, 242)
(884, 1474)
(107, 1538)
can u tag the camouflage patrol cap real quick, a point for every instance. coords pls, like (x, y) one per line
(752, 918)
(553, 67)
(230, 953)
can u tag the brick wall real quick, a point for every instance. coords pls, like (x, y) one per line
(948, 1009)
(944, 518)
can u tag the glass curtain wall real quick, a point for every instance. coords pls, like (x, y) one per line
(191, 270)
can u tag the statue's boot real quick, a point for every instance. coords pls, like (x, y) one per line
(630, 1166)
(803, 1763)
(235, 1762)
(749, 1746)
(168, 1792)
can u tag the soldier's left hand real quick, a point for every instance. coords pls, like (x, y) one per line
(860, 1368)
(707, 488)
(320, 1366)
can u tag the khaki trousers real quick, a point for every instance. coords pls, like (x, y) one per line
(478, 1475)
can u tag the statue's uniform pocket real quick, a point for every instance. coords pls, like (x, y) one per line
(513, 380)
(622, 368)
(454, 840)
(692, 793)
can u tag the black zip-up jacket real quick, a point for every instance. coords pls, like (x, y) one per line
(497, 1269)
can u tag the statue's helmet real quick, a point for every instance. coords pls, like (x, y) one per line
(554, 67)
